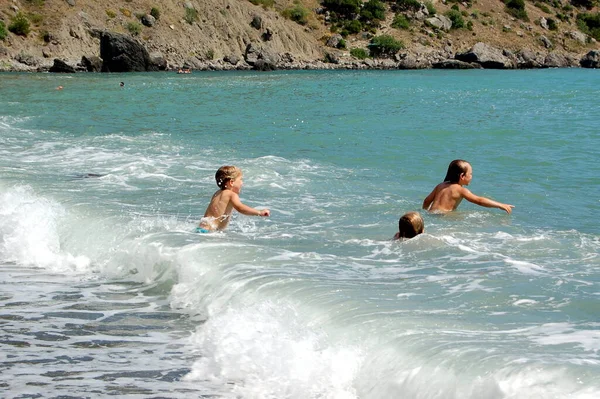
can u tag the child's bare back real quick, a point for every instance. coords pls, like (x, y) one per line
(224, 200)
(448, 195)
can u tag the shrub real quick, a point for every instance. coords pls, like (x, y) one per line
(345, 8)
(298, 14)
(359, 53)
(19, 25)
(400, 22)
(430, 8)
(111, 14)
(373, 10)
(353, 27)
(191, 15)
(3, 31)
(407, 5)
(516, 8)
(46, 36)
(552, 25)
(588, 4)
(155, 12)
(263, 3)
(341, 44)
(590, 24)
(210, 54)
(456, 18)
(125, 12)
(35, 19)
(135, 28)
(384, 45)
(542, 7)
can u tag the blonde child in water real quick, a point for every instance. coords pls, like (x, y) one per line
(410, 225)
(447, 195)
(224, 200)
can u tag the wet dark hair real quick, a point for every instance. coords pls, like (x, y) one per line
(225, 174)
(410, 225)
(455, 169)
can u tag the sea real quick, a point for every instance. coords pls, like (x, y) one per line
(107, 291)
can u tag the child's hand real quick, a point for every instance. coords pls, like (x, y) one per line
(507, 208)
(266, 212)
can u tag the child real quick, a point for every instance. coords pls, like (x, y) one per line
(446, 196)
(218, 213)
(410, 225)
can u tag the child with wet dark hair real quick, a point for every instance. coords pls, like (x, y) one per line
(448, 195)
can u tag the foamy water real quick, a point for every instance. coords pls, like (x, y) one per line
(106, 290)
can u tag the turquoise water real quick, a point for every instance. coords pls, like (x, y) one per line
(105, 290)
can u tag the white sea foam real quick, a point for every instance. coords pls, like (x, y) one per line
(566, 333)
(30, 231)
(525, 267)
(266, 351)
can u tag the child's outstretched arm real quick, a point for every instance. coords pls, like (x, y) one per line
(483, 201)
(245, 209)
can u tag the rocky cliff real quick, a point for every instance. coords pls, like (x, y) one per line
(228, 34)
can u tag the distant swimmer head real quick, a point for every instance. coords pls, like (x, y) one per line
(455, 170)
(122, 84)
(225, 174)
(410, 225)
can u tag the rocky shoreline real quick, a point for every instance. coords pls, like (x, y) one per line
(121, 53)
(86, 36)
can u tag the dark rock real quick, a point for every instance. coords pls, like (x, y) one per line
(92, 63)
(254, 54)
(590, 60)
(27, 59)
(121, 53)
(408, 62)
(527, 59)
(61, 66)
(332, 58)
(267, 35)
(546, 42)
(262, 65)
(148, 20)
(555, 60)
(334, 40)
(487, 56)
(256, 22)
(232, 59)
(454, 64)
(160, 61)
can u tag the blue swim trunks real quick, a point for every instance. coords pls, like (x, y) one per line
(201, 230)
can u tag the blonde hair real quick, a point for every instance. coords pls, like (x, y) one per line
(225, 174)
(410, 225)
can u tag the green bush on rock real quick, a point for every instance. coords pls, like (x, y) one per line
(19, 25)
(384, 46)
